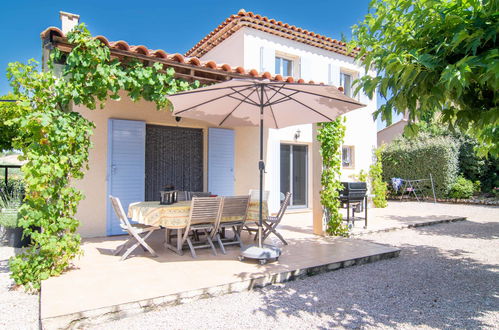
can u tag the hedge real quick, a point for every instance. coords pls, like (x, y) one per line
(417, 158)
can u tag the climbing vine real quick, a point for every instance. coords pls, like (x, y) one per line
(378, 186)
(55, 141)
(331, 135)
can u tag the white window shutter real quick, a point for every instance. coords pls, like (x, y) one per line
(334, 74)
(306, 68)
(267, 60)
(361, 97)
(330, 74)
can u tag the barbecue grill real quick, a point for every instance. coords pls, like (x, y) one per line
(354, 196)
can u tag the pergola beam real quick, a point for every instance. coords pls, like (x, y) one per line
(182, 70)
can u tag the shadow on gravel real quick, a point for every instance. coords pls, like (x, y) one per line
(4, 259)
(4, 266)
(488, 230)
(424, 287)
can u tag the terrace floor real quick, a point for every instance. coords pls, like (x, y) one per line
(100, 287)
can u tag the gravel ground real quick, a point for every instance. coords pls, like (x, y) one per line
(447, 276)
(18, 310)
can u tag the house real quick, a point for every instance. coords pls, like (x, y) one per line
(393, 131)
(137, 149)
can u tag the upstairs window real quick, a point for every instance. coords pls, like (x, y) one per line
(347, 157)
(346, 83)
(284, 66)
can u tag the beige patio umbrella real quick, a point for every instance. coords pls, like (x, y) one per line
(251, 102)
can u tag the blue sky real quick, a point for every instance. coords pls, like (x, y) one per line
(174, 26)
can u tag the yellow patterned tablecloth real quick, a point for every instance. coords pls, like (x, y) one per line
(176, 215)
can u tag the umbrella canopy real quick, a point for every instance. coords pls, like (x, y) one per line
(250, 102)
(237, 103)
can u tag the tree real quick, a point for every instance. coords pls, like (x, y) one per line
(434, 57)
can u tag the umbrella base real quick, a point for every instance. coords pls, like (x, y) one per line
(263, 254)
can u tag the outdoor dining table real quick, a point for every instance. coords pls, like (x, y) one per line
(176, 216)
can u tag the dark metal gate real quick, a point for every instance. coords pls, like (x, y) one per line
(174, 156)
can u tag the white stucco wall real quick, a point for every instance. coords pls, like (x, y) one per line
(259, 50)
(231, 53)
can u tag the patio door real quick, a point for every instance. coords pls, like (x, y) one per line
(294, 171)
(125, 167)
(174, 156)
(221, 161)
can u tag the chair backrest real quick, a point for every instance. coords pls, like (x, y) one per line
(205, 210)
(284, 206)
(182, 195)
(235, 207)
(255, 194)
(118, 209)
(199, 194)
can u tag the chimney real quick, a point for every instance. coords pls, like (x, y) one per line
(69, 21)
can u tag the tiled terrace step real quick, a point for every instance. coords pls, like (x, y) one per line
(99, 315)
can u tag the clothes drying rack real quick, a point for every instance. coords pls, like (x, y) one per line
(415, 188)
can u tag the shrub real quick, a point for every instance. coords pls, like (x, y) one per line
(13, 186)
(420, 157)
(490, 177)
(462, 188)
(471, 165)
(377, 184)
(476, 168)
(9, 206)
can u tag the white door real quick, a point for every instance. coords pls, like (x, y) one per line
(125, 167)
(221, 161)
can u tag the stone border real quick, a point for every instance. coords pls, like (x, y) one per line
(405, 226)
(116, 312)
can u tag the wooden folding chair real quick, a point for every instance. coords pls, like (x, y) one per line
(199, 194)
(205, 217)
(252, 227)
(235, 209)
(270, 224)
(134, 230)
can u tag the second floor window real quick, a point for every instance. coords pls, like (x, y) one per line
(346, 83)
(283, 66)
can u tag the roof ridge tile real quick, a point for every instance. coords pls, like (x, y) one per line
(276, 27)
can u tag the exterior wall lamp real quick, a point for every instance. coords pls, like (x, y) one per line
(297, 134)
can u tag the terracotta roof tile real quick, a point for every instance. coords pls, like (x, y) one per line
(103, 40)
(159, 53)
(123, 46)
(262, 23)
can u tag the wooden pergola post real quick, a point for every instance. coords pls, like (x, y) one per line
(317, 213)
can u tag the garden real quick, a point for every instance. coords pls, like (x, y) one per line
(459, 173)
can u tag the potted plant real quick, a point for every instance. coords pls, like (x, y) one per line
(10, 233)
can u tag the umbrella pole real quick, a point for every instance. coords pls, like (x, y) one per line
(261, 252)
(261, 167)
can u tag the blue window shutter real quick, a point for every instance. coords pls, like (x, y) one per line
(125, 167)
(221, 161)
